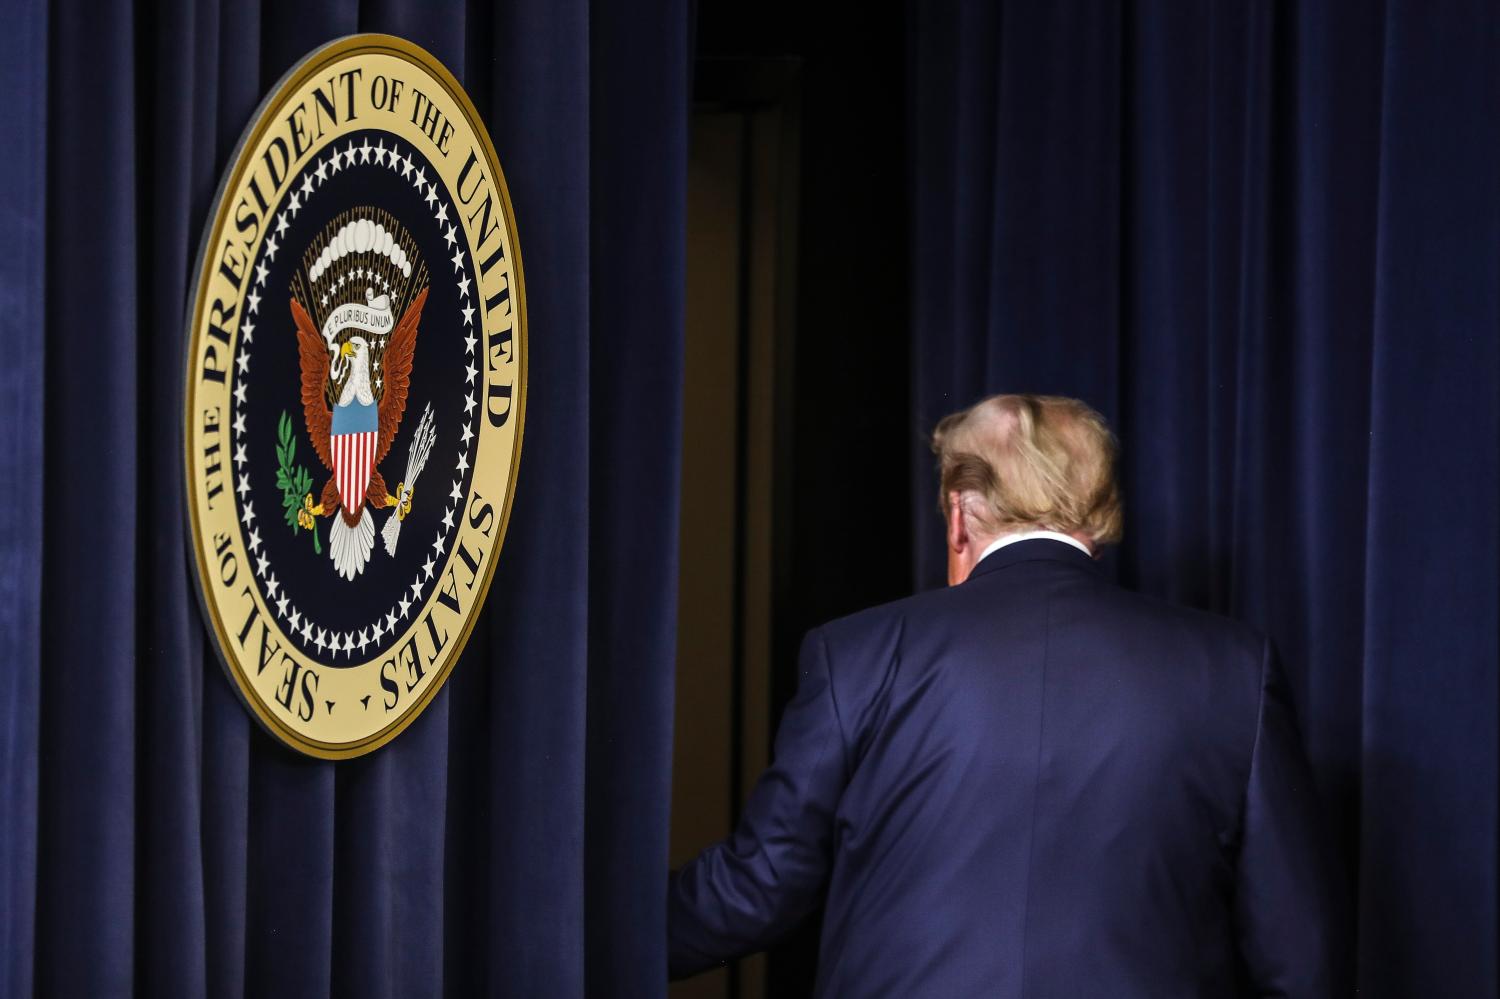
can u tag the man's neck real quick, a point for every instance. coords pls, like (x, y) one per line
(1013, 537)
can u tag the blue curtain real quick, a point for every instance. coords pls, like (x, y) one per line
(1264, 240)
(153, 840)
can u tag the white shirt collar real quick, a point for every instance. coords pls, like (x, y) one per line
(1010, 539)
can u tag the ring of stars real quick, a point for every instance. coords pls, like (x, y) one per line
(298, 621)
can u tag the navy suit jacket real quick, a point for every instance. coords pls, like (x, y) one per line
(1032, 784)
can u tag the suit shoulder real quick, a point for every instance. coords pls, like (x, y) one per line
(1223, 627)
(1126, 613)
(1223, 637)
(882, 619)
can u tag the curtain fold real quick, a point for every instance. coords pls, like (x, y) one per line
(93, 506)
(1262, 239)
(23, 199)
(1428, 848)
(638, 213)
(153, 840)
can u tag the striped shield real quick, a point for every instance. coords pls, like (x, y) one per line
(353, 451)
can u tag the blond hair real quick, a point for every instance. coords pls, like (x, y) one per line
(1034, 462)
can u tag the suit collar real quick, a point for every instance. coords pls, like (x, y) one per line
(1035, 550)
(1010, 539)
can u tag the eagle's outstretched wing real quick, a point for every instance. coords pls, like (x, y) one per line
(314, 359)
(395, 370)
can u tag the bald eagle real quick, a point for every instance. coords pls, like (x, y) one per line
(352, 426)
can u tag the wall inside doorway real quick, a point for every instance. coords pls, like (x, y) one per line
(795, 447)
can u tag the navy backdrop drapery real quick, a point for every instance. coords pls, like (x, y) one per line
(1264, 240)
(152, 839)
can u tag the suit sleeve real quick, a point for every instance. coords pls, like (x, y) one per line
(740, 894)
(1288, 893)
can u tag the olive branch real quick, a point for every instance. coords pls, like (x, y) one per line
(294, 483)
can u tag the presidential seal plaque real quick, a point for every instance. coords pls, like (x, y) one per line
(356, 391)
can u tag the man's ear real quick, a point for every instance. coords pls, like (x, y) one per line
(958, 528)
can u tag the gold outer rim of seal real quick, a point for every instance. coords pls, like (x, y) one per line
(310, 65)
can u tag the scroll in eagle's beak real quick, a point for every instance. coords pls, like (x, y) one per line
(347, 350)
